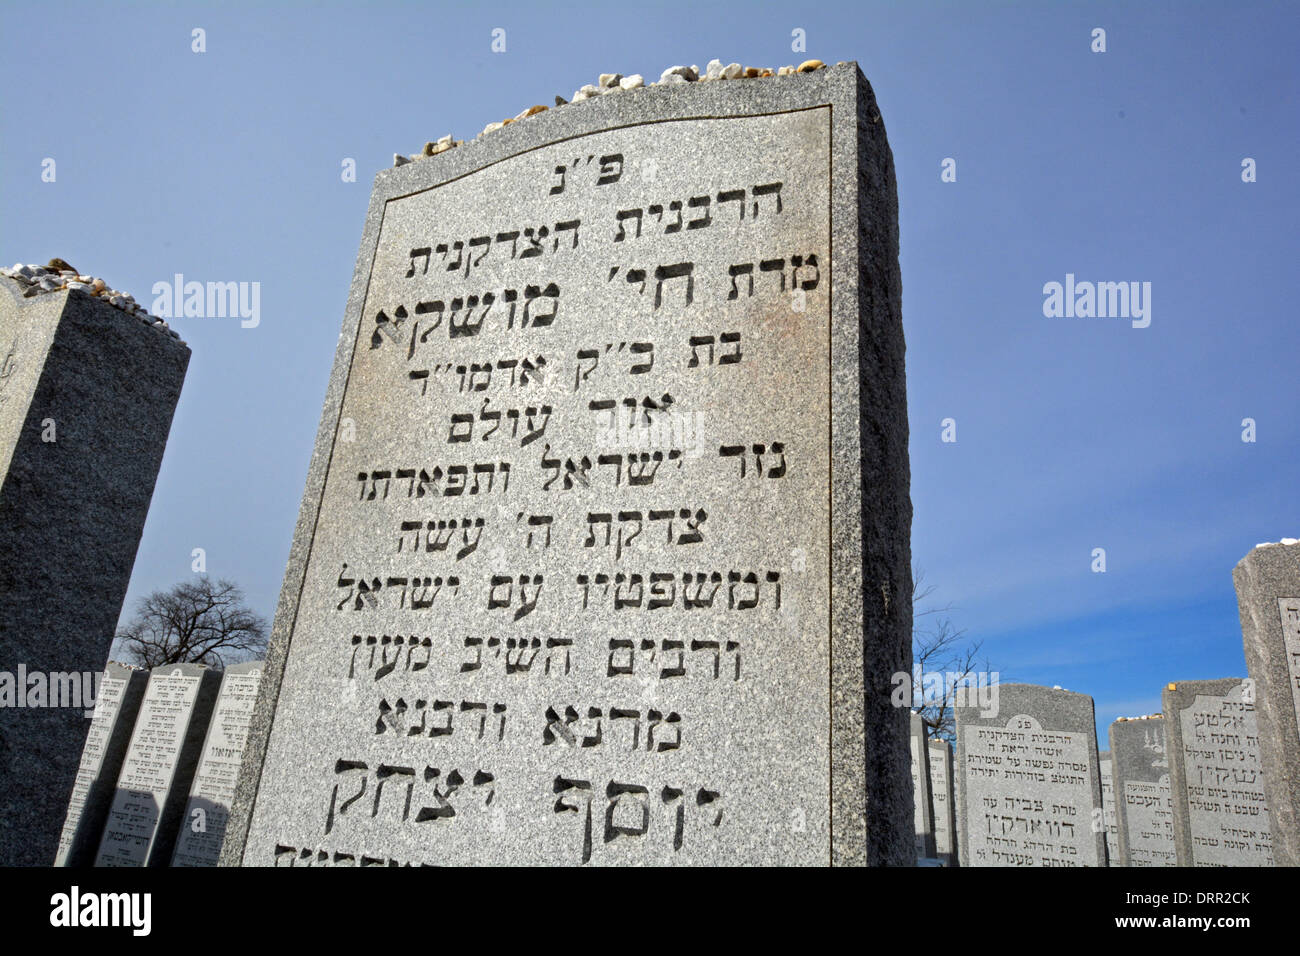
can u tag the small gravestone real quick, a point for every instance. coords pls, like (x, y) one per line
(87, 393)
(1108, 808)
(1143, 796)
(603, 555)
(922, 805)
(118, 702)
(145, 815)
(1268, 599)
(944, 801)
(1031, 794)
(203, 825)
(1220, 812)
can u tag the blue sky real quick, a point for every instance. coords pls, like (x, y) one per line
(1072, 434)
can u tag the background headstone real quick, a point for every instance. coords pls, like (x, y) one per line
(944, 801)
(1212, 738)
(1268, 599)
(203, 825)
(1108, 808)
(155, 780)
(1031, 789)
(86, 400)
(1143, 796)
(501, 632)
(118, 701)
(923, 806)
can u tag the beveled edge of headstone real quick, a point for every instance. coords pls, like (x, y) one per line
(1078, 715)
(59, 301)
(1266, 573)
(1174, 698)
(857, 138)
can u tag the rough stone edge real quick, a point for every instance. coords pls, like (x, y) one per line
(868, 301)
(1078, 709)
(1264, 643)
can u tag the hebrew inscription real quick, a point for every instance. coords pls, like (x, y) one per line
(568, 594)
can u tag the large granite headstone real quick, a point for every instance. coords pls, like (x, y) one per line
(943, 800)
(1268, 599)
(1143, 796)
(203, 825)
(1031, 793)
(151, 793)
(603, 556)
(1109, 820)
(923, 805)
(120, 692)
(86, 400)
(1221, 814)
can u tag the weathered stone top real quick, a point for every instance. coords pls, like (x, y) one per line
(1275, 544)
(615, 83)
(59, 276)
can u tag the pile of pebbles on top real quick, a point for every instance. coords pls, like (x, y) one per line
(617, 82)
(57, 275)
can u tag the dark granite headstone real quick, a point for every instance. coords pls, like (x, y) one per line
(118, 702)
(1143, 796)
(86, 400)
(1031, 792)
(603, 555)
(147, 807)
(1220, 812)
(203, 825)
(1268, 598)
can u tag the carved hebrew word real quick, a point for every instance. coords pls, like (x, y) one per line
(520, 654)
(696, 342)
(609, 170)
(628, 811)
(436, 786)
(604, 520)
(498, 599)
(438, 535)
(435, 718)
(641, 468)
(631, 590)
(662, 274)
(641, 357)
(375, 485)
(667, 658)
(464, 254)
(774, 470)
(389, 650)
(466, 316)
(535, 522)
(631, 403)
(565, 727)
(699, 208)
(363, 592)
(306, 856)
(535, 417)
(477, 376)
(804, 274)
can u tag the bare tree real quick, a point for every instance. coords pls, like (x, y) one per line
(941, 652)
(199, 622)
